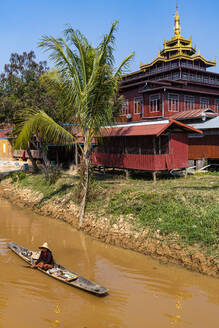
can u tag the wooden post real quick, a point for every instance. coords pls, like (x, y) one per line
(127, 174)
(154, 176)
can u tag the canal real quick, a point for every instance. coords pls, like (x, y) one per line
(143, 293)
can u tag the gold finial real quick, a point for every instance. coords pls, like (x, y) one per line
(177, 28)
(141, 64)
(199, 52)
(158, 53)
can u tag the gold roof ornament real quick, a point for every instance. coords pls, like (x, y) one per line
(178, 48)
(177, 27)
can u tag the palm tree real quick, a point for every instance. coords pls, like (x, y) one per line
(89, 86)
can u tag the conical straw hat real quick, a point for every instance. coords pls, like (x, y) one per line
(45, 245)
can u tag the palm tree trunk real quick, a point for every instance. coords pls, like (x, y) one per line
(44, 156)
(34, 164)
(85, 185)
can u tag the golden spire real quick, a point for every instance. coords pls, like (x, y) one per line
(177, 28)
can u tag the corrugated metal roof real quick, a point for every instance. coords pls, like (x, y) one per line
(210, 124)
(147, 129)
(138, 130)
(143, 129)
(5, 133)
(195, 113)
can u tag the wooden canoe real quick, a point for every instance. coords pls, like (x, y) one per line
(59, 272)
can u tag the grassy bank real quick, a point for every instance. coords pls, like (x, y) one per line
(182, 210)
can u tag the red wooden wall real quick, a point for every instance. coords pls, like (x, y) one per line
(131, 94)
(178, 157)
(204, 147)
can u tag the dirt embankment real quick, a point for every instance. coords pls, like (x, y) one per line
(121, 233)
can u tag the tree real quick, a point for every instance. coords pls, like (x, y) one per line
(22, 87)
(89, 85)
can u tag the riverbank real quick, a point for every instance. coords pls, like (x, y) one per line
(175, 220)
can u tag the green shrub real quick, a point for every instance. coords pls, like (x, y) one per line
(51, 175)
(17, 176)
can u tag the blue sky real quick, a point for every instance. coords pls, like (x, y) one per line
(143, 25)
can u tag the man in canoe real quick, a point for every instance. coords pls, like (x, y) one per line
(45, 261)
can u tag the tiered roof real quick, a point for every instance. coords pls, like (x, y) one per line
(178, 48)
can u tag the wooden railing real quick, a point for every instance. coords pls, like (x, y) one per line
(34, 153)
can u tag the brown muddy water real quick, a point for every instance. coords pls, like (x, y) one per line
(143, 293)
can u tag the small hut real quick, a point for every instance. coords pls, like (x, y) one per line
(150, 146)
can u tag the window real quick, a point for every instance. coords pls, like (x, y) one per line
(154, 103)
(159, 68)
(164, 144)
(204, 103)
(192, 77)
(111, 145)
(138, 105)
(199, 78)
(205, 79)
(216, 104)
(125, 107)
(175, 76)
(161, 144)
(184, 76)
(189, 102)
(152, 145)
(132, 145)
(173, 102)
(147, 145)
(4, 148)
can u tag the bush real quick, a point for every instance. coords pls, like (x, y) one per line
(52, 174)
(17, 176)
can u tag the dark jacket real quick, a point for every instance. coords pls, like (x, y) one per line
(46, 258)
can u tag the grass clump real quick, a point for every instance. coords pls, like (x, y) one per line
(185, 210)
(37, 182)
(194, 218)
(17, 176)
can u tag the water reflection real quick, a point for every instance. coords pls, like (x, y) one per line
(143, 293)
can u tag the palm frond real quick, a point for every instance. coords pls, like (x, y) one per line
(38, 122)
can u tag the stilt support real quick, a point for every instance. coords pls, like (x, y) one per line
(154, 176)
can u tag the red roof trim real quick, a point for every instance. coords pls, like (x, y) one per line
(192, 90)
(180, 124)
